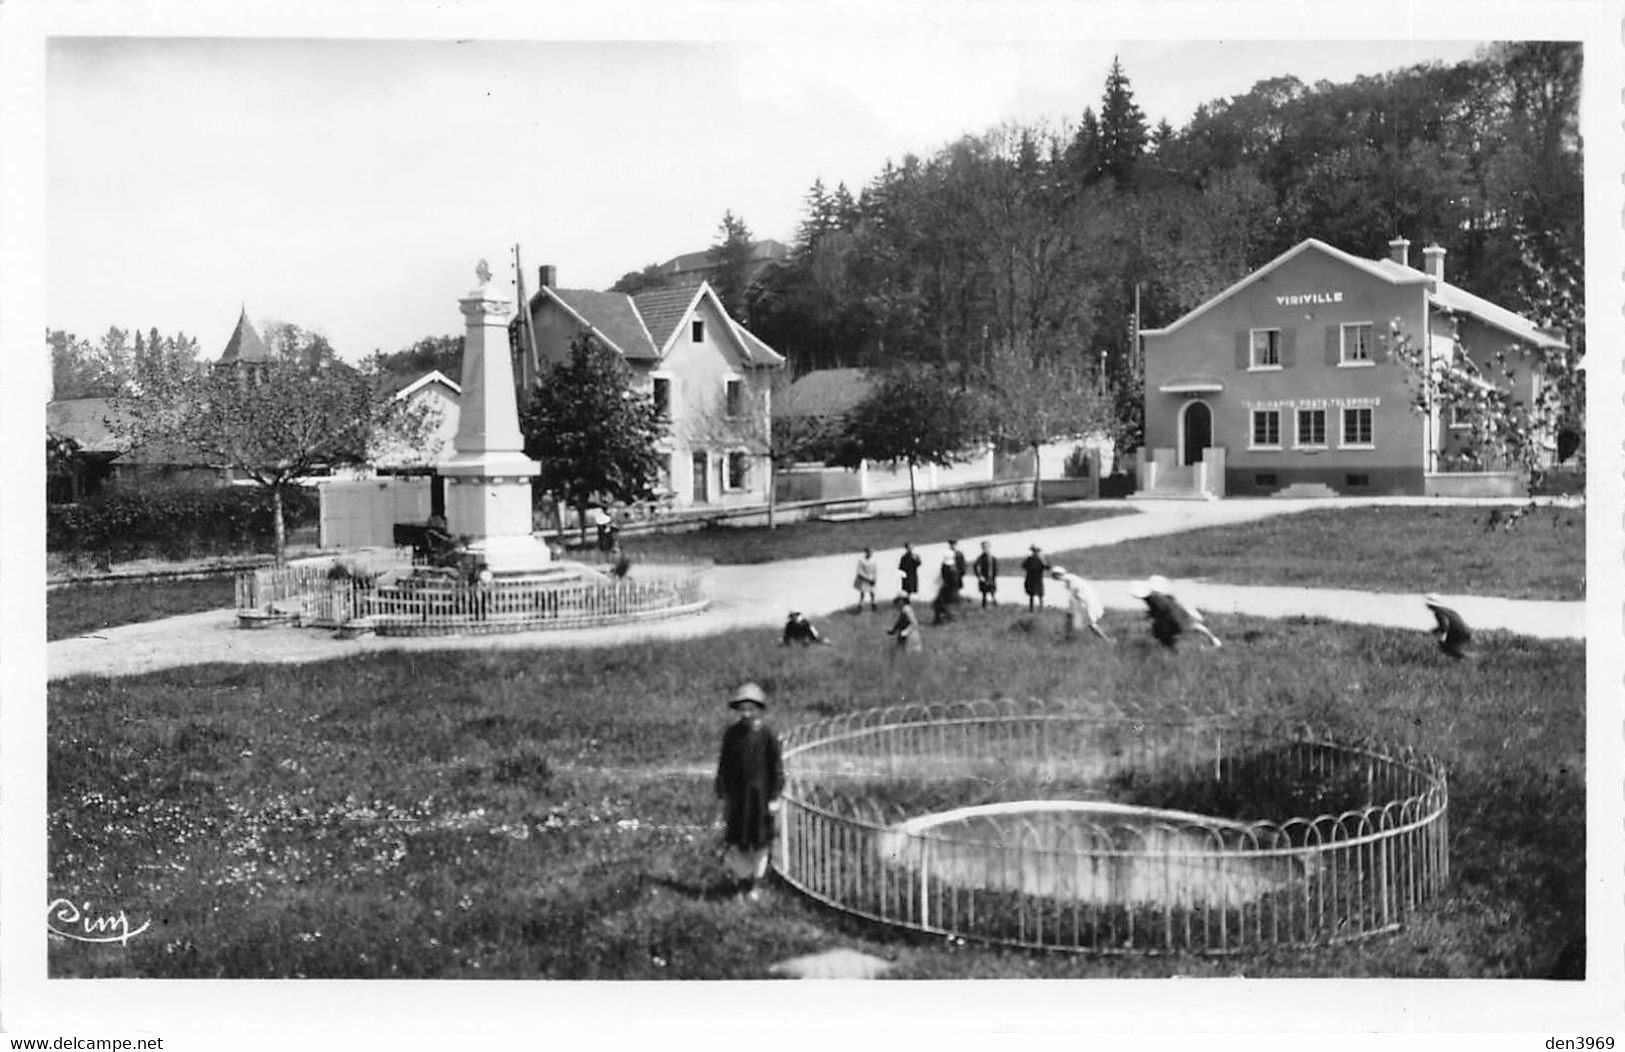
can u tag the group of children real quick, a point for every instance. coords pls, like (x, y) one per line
(1169, 617)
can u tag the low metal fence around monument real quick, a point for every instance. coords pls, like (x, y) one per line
(392, 596)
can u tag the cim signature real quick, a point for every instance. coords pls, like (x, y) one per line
(64, 918)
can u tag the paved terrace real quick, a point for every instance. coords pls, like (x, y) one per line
(759, 596)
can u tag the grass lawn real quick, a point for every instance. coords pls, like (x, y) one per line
(758, 544)
(75, 610)
(548, 815)
(1380, 548)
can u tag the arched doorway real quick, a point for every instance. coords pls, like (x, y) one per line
(1196, 429)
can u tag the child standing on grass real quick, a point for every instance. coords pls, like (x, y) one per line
(986, 568)
(1033, 569)
(906, 629)
(864, 581)
(909, 567)
(750, 780)
(942, 608)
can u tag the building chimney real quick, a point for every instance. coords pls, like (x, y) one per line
(1433, 263)
(547, 276)
(1399, 250)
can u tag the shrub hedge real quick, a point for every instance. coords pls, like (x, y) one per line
(172, 522)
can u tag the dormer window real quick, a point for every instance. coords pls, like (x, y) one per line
(696, 331)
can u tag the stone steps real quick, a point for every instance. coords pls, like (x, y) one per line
(1306, 489)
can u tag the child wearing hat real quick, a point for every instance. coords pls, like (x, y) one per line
(1083, 604)
(797, 629)
(909, 567)
(1169, 617)
(750, 780)
(1449, 629)
(1033, 568)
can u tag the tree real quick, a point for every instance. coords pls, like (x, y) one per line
(730, 257)
(80, 369)
(1034, 395)
(76, 372)
(595, 437)
(296, 345)
(635, 281)
(282, 424)
(442, 353)
(917, 415)
(1123, 133)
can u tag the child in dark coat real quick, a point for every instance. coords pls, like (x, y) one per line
(750, 780)
(1033, 569)
(1169, 617)
(909, 567)
(797, 629)
(986, 568)
(1449, 629)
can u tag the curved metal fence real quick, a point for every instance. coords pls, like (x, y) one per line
(403, 600)
(1035, 825)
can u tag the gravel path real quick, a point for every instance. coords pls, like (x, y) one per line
(758, 596)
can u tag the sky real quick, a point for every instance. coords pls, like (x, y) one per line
(351, 185)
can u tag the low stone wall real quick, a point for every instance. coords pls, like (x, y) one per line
(1475, 484)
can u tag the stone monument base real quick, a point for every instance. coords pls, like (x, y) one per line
(506, 556)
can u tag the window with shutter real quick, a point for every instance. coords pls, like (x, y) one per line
(1355, 343)
(1266, 349)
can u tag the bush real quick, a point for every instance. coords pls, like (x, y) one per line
(173, 522)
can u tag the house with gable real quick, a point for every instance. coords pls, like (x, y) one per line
(1288, 381)
(705, 371)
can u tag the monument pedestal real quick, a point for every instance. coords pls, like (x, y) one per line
(488, 496)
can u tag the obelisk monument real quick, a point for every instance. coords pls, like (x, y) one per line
(488, 478)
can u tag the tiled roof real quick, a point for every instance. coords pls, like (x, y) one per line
(85, 421)
(639, 327)
(615, 318)
(756, 351)
(663, 310)
(245, 344)
(170, 451)
(825, 392)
